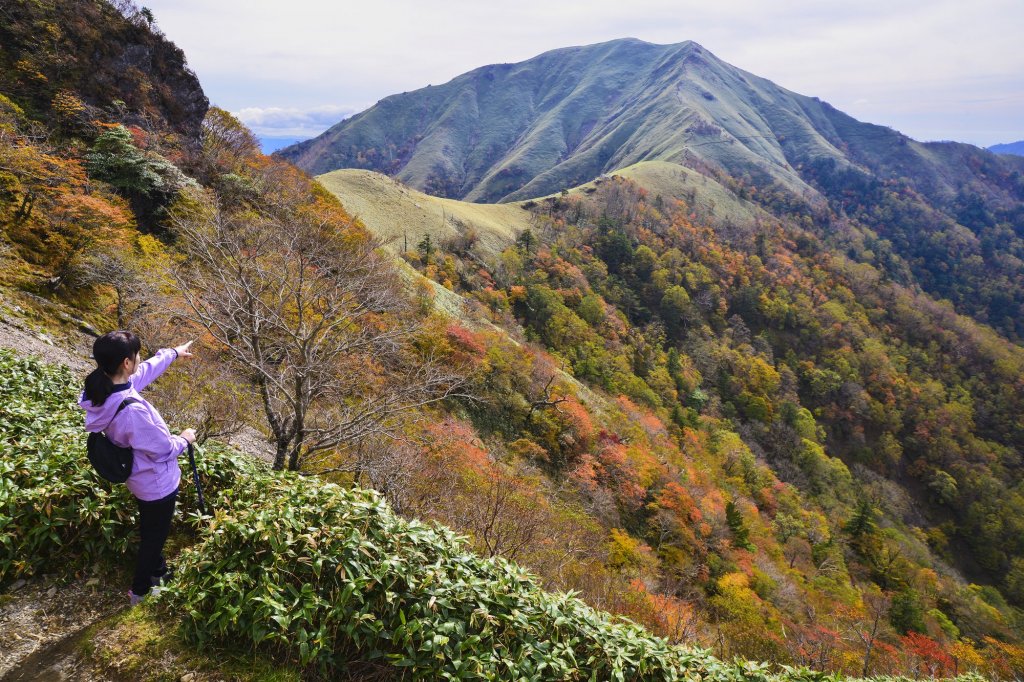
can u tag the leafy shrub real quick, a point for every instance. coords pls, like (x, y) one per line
(148, 180)
(52, 504)
(324, 574)
(115, 159)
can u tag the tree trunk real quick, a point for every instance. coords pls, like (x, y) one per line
(120, 307)
(299, 425)
(279, 456)
(25, 210)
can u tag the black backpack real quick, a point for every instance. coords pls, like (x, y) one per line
(110, 461)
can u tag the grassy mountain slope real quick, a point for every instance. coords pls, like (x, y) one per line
(712, 201)
(943, 215)
(402, 216)
(397, 214)
(517, 131)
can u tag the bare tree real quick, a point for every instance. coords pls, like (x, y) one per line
(307, 307)
(876, 607)
(506, 517)
(390, 467)
(207, 395)
(545, 401)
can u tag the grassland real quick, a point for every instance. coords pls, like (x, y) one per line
(402, 216)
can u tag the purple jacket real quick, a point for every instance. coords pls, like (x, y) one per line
(155, 472)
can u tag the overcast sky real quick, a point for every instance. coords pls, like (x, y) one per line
(933, 69)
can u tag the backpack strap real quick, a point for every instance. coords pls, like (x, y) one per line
(124, 403)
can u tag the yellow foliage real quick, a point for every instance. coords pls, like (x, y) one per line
(733, 581)
(628, 555)
(967, 657)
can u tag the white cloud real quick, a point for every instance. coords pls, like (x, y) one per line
(292, 121)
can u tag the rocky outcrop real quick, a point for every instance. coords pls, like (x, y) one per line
(64, 60)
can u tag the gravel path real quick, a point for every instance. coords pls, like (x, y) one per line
(74, 349)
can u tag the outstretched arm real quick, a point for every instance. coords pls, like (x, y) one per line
(149, 370)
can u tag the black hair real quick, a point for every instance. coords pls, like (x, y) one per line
(109, 351)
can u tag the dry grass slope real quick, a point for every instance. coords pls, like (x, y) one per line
(397, 213)
(712, 201)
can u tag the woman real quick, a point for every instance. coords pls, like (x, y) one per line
(155, 474)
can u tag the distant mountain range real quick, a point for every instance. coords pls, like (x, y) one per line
(1015, 148)
(269, 145)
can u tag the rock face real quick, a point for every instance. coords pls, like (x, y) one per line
(176, 92)
(54, 52)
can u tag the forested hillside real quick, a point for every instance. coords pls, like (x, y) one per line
(944, 216)
(808, 452)
(692, 403)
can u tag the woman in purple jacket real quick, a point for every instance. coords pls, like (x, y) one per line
(155, 473)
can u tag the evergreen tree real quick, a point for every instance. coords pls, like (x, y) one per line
(526, 241)
(906, 614)
(425, 248)
(740, 532)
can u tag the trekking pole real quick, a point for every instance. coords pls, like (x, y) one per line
(195, 477)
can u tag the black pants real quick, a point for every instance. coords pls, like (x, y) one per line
(154, 526)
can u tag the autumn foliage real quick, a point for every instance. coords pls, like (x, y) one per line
(764, 395)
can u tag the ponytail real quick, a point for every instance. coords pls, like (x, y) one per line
(109, 351)
(98, 386)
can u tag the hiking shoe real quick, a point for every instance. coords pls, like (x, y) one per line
(134, 598)
(161, 580)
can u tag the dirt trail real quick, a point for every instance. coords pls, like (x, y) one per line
(42, 622)
(57, 662)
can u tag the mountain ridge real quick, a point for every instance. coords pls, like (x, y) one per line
(560, 136)
(509, 132)
(1014, 148)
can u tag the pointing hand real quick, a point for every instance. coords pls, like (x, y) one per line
(182, 350)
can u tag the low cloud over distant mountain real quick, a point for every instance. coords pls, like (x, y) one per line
(277, 122)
